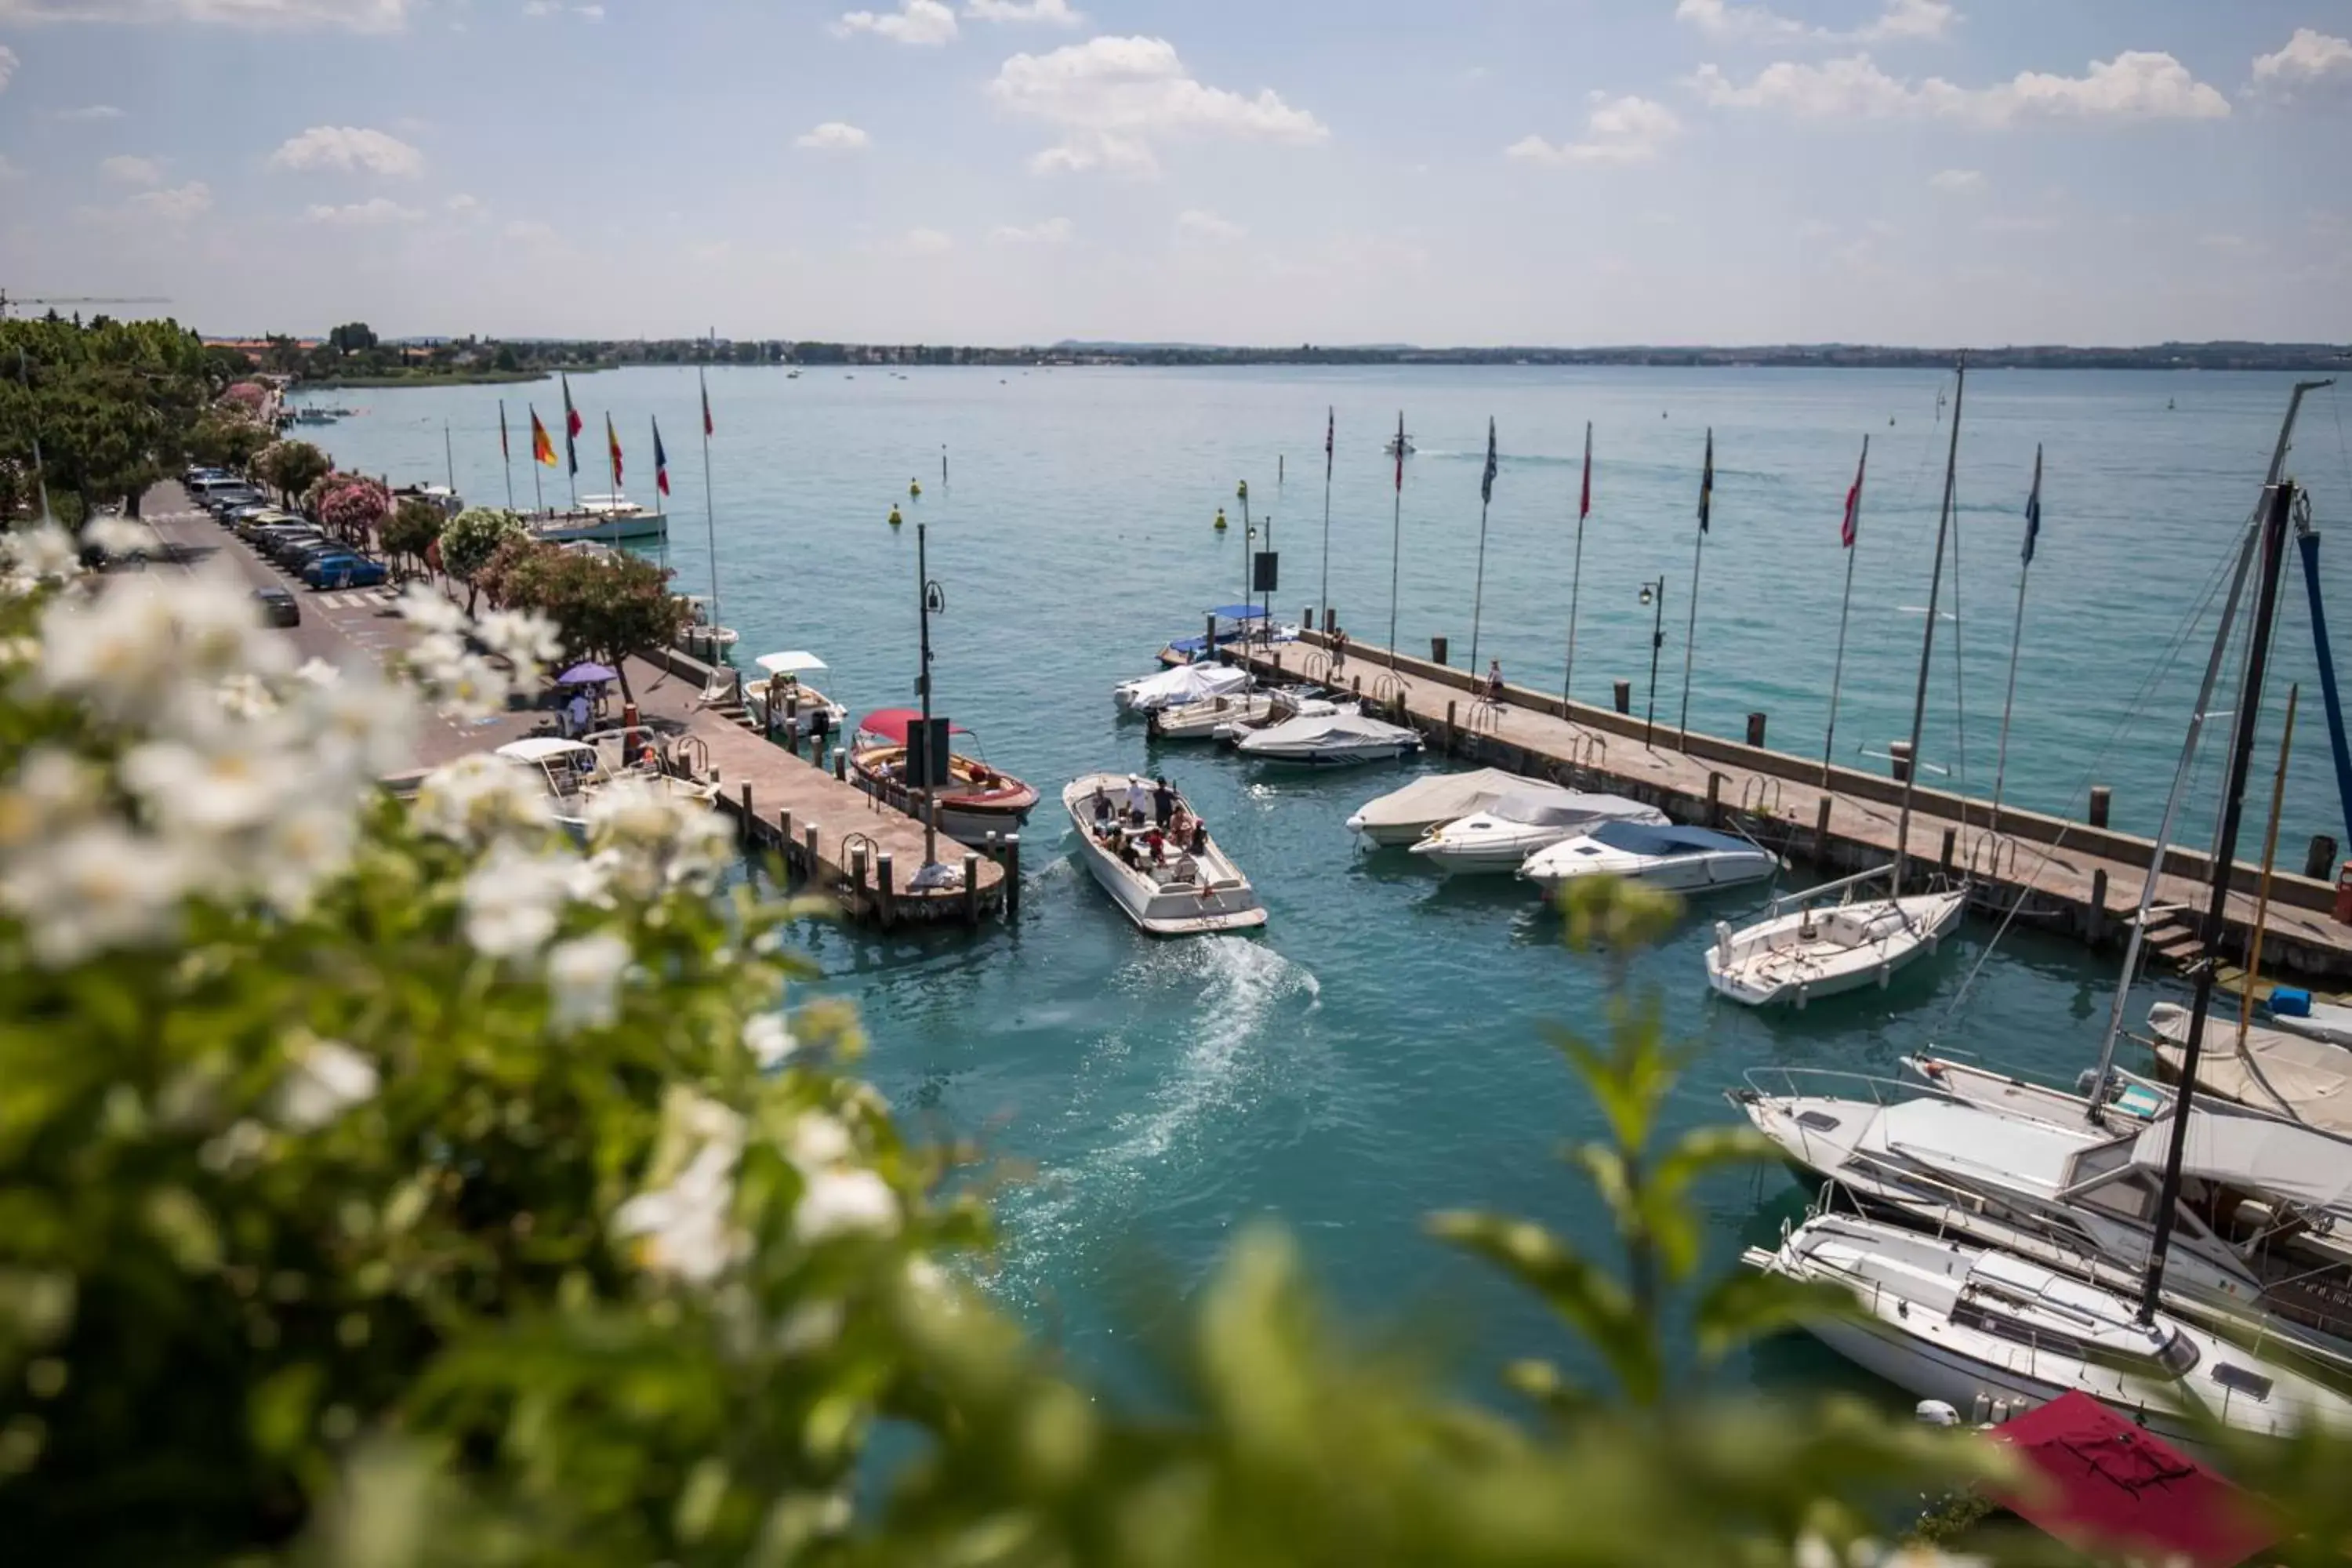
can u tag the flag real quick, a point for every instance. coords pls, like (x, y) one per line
(613, 446)
(1584, 501)
(1330, 428)
(1854, 500)
(1486, 480)
(542, 444)
(504, 454)
(708, 429)
(1706, 483)
(661, 462)
(2033, 509)
(571, 425)
(1400, 452)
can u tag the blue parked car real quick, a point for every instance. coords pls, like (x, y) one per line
(343, 572)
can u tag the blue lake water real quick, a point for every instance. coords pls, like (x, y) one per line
(1378, 1052)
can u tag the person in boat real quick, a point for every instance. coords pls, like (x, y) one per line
(1163, 803)
(1199, 843)
(1139, 800)
(1101, 803)
(1155, 844)
(820, 724)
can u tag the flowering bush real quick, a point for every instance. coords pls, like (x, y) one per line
(353, 506)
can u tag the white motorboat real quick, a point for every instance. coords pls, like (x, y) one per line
(1683, 859)
(2253, 1239)
(1231, 732)
(1187, 886)
(1966, 1324)
(1211, 717)
(1398, 446)
(2325, 1021)
(785, 702)
(576, 771)
(1533, 817)
(1405, 815)
(702, 635)
(1330, 741)
(977, 799)
(1803, 954)
(1179, 687)
(1233, 624)
(613, 505)
(2293, 1076)
(636, 526)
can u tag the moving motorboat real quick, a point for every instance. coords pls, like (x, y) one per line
(976, 801)
(1534, 816)
(1966, 1324)
(1802, 954)
(1233, 624)
(1179, 687)
(576, 771)
(2253, 1238)
(1398, 446)
(786, 702)
(1176, 883)
(2294, 1075)
(1329, 741)
(1405, 815)
(1683, 859)
(613, 505)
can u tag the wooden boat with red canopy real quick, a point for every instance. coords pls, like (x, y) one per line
(976, 801)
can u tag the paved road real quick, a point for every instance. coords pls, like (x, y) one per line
(342, 626)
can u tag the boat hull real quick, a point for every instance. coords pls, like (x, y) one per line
(968, 819)
(1490, 854)
(1671, 873)
(1347, 757)
(1220, 901)
(1773, 963)
(605, 529)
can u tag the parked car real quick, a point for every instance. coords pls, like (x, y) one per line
(343, 572)
(279, 607)
(253, 511)
(220, 499)
(282, 548)
(296, 561)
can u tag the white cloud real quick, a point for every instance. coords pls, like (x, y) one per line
(380, 212)
(1196, 223)
(556, 8)
(2136, 85)
(351, 149)
(178, 204)
(1056, 12)
(1619, 131)
(1112, 98)
(915, 22)
(124, 169)
(924, 242)
(1053, 231)
(358, 16)
(8, 66)
(1967, 182)
(2311, 58)
(1901, 21)
(833, 136)
(530, 231)
(90, 115)
(464, 205)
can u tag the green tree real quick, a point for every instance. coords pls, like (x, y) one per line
(351, 337)
(411, 530)
(228, 437)
(469, 538)
(611, 608)
(506, 359)
(291, 467)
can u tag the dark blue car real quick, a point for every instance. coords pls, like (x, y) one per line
(343, 572)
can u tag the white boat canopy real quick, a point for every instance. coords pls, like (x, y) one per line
(795, 662)
(1547, 805)
(1186, 683)
(1440, 799)
(2256, 1154)
(543, 748)
(1325, 731)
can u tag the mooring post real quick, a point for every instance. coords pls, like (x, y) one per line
(1012, 874)
(2102, 799)
(743, 816)
(809, 838)
(1355, 684)
(971, 887)
(1821, 829)
(1898, 758)
(857, 871)
(1437, 651)
(1449, 723)
(887, 885)
(1951, 838)
(1713, 798)
(2098, 923)
(1622, 694)
(841, 762)
(1756, 731)
(2319, 861)
(785, 835)
(994, 852)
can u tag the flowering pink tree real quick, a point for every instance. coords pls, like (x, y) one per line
(353, 507)
(249, 395)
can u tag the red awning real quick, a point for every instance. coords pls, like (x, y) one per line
(892, 724)
(2111, 1485)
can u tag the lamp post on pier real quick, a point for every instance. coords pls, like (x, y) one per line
(1655, 594)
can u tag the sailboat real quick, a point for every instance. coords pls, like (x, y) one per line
(1799, 953)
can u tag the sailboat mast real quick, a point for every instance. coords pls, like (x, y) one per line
(923, 688)
(2269, 863)
(2279, 504)
(1927, 638)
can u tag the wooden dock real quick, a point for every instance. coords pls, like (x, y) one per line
(832, 835)
(2057, 875)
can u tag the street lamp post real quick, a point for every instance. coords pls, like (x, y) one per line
(1654, 593)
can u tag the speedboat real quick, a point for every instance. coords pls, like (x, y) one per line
(1212, 716)
(1188, 888)
(786, 701)
(2293, 1076)
(1806, 953)
(576, 771)
(1233, 624)
(1685, 859)
(1404, 816)
(1330, 741)
(701, 635)
(977, 799)
(1966, 1324)
(1179, 687)
(2253, 1231)
(1530, 818)
(1398, 446)
(1292, 706)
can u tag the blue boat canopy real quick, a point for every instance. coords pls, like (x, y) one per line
(1190, 645)
(1238, 613)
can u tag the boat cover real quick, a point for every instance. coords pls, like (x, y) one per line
(2256, 1154)
(2294, 1075)
(1238, 613)
(1187, 683)
(792, 662)
(1537, 804)
(2109, 1487)
(892, 725)
(1440, 798)
(1648, 838)
(1325, 731)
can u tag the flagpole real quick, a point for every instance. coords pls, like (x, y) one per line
(2016, 641)
(654, 424)
(1478, 594)
(449, 457)
(538, 496)
(1330, 420)
(1576, 571)
(1845, 608)
(1396, 541)
(1698, 549)
(506, 454)
(710, 505)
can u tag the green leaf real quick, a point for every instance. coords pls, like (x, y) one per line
(1754, 1304)
(1588, 1301)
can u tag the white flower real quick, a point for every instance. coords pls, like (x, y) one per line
(53, 789)
(684, 1228)
(525, 636)
(96, 889)
(809, 1329)
(649, 839)
(317, 671)
(845, 1203)
(211, 791)
(132, 651)
(816, 1141)
(430, 610)
(769, 1038)
(246, 695)
(583, 982)
(300, 850)
(122, 536)
(480, 798)
(42, 551)
(327, 1078)
(512, 899)
(462, 682)
(360, 725)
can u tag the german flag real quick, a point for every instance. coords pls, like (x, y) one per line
(542, 444)
(613, 446)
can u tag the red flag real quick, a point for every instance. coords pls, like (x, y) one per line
(1400, 452)
(661, 462)
(1584, 502)
(573, 423)
(708, 429)
(613, 445)
(1853, 499)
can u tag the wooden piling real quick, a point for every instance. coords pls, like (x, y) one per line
(1898, 759)
(2319, 860)
(886, 883)
(1713, 798)
(1622, 694)
(971, 890)
(2102, 801)
(1448, 745)
(808, 837)
(746, 821)
(784, 830)
(857, 871)
(2098, 912)
(841, 762)
(1951, 840)
(1821, 828)
(1012, 875)
(1437, 650)
(1756, 728)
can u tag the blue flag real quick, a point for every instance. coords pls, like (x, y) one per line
(2033, 509)
(661, 462)
(1486, 480)
(1706, 483)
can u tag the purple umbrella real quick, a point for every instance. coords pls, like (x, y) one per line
(585, 675)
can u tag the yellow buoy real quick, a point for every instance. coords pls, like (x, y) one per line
(894, 519)
(913, 488)
(1221, 520)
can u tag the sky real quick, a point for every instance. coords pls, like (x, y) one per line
(1483, 172)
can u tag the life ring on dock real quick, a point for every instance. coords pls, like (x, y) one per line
(896, 521)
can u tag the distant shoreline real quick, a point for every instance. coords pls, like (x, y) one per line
(463, 378)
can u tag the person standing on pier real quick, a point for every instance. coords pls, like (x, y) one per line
(1495, 681)
(1339, 649)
